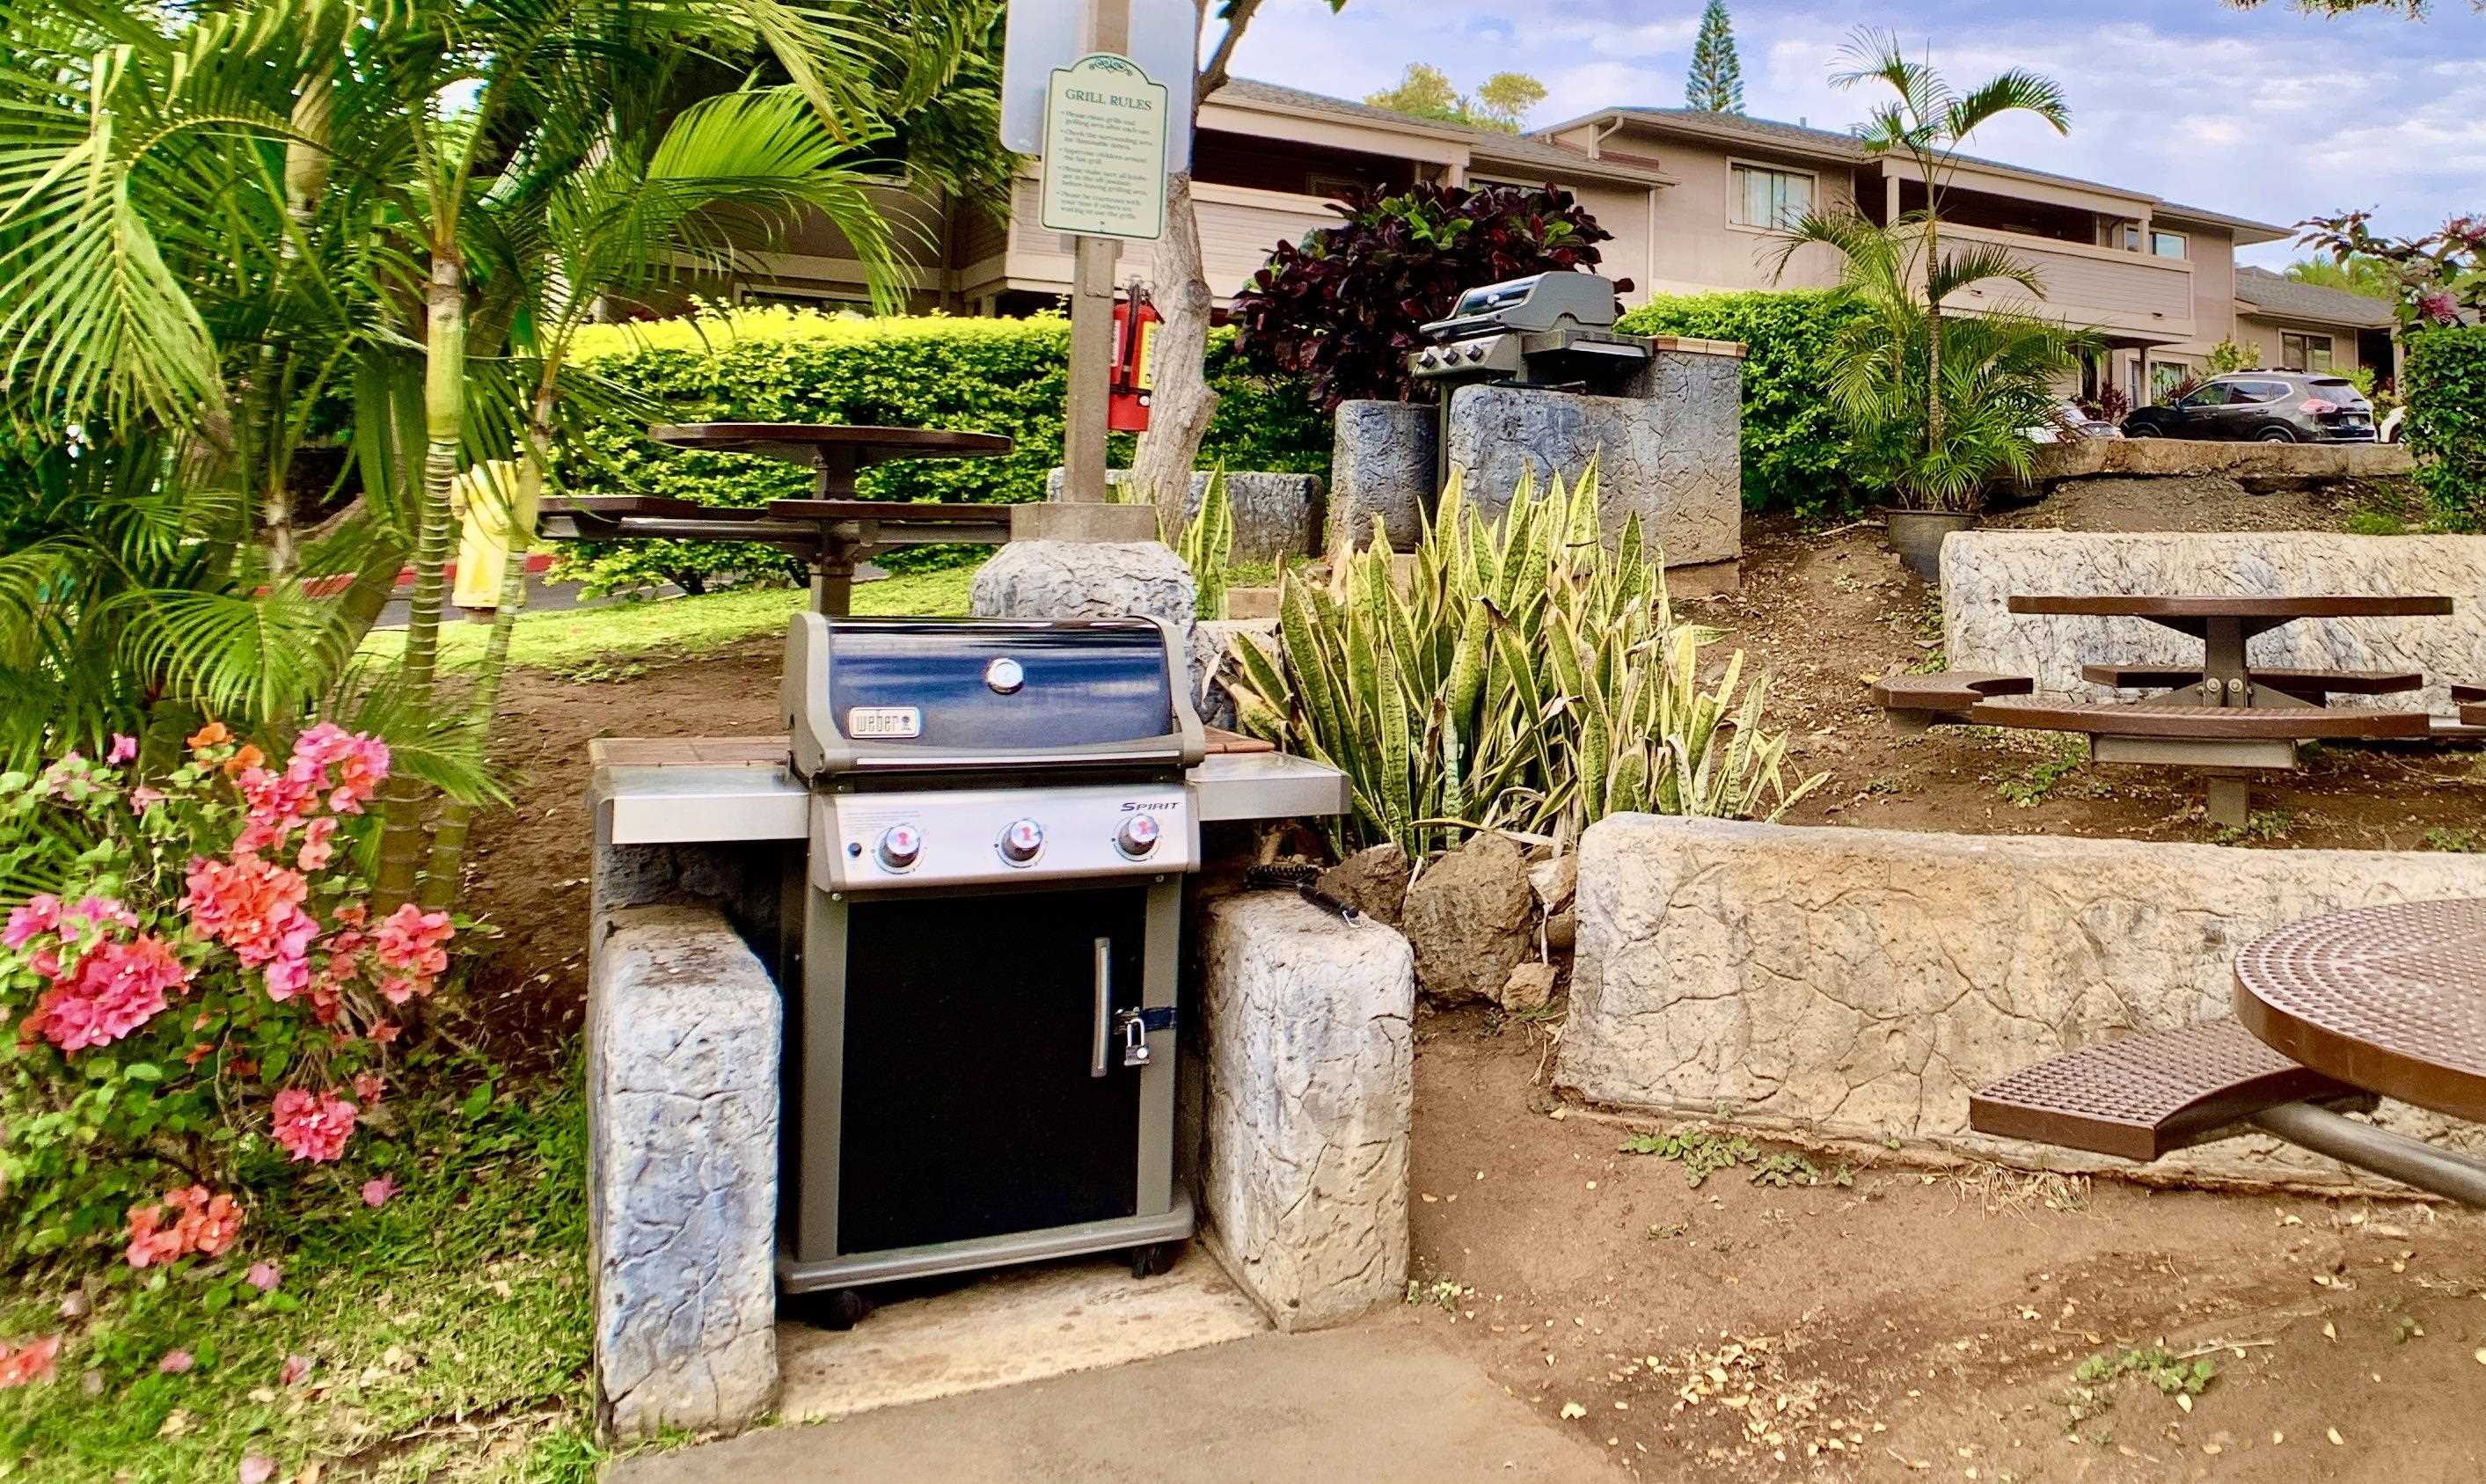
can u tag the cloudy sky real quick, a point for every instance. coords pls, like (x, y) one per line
(2267, 114)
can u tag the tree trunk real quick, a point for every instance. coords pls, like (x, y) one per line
(1183, 403)
(444, 401)
(306, 178)
(444, 874)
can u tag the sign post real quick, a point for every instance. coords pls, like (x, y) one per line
(1110, 133)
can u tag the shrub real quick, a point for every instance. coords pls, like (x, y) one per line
(2446, 381)
(199, 995)
(801, 365)
(1528, 678)
(1796, 452)
(1343, 306)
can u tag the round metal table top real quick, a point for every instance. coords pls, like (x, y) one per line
(809, 443)
(2388, 999)
(2330, 605)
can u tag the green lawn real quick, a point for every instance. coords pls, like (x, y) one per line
(446, 1331)
(682, 625)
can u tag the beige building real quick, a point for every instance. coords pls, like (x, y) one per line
(1692, 199)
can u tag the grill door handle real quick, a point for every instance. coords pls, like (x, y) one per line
(1102, 1041)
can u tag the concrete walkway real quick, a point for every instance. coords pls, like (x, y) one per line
(1378, 1404)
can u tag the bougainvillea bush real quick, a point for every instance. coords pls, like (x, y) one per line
(202, 999)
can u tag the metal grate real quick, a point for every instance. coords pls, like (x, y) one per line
(2142, 1095)
(2394, 997)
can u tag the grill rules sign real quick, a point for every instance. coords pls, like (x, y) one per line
(1105, 150)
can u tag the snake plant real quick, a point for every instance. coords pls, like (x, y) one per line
(1519, 674)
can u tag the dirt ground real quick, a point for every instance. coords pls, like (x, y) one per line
(1909, 1325)
(1883, 1323)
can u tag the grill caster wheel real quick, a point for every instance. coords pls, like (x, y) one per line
(1154, 1258)
(843, 1308)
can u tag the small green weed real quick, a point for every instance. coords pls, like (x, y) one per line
(1442, 1293)
(2370, 522)
(2461, 840)
(2261, 827)
(1702, 1154)
(2034, 783)
(2171, 1374)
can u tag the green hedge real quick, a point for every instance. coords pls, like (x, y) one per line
(778, 365)
(1794, 449)
(2445, 382)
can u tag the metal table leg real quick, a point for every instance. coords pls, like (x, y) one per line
(2409, 1160)
(833, 568)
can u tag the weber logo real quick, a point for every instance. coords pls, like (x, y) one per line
(884, 722)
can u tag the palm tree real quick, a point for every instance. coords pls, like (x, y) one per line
(1903, 265)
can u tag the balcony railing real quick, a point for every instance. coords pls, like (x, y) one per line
(1238, 227)
(2093, 288)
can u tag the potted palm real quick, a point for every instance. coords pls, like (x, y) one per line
(1936, 403)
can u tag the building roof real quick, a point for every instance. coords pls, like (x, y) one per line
(1494, 145)
(2269, 294)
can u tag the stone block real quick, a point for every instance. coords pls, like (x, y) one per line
(1383, 465)
(1470, 914)
(1308, 1067)
(1862, 984)
(1983, 570)
(682, 1049)
(1089, 579)
(1212, 645)
(1275, 515)
(1669, 456)
(1082, 520)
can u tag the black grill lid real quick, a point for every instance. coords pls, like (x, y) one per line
(950, 694)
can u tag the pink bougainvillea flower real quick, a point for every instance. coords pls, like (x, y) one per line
(257, 1468)
(313, 1128)
(143, 798)
(378, 1193)
(368, 1086)
(113, 991)
(318, 846)
(212, 734)
(294, 1369)
(29, 1362)
(264, 1276)
(42, 913)
(408, 947)
(123, 748)
(75, 1306)
(188, 1220)
(176, 1363)
(253, 907)
(383, 1031)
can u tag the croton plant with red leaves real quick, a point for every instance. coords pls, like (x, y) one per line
(1341, 307)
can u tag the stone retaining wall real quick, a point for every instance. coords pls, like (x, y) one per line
(1275, 515)
(2259, 467)
(1981, 570)
(1862, 984)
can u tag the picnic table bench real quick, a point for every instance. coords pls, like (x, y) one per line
(2471, 699)
(2221, 716)
(2330, 1013)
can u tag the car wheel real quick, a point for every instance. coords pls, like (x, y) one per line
(2274, 435)
(2140, 430)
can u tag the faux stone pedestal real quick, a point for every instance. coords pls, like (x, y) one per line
(1668, 448)
(1309, 1096)
(1275, 515)
(682, 1049)
(1383, 465)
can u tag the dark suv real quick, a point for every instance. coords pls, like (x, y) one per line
(2262, 406)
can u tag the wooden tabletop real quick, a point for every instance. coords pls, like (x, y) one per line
(2388, 999)
(2334, 605)
(890, 510)
(807, 443)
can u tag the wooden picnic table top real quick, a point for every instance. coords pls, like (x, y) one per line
(2199, 606)
(2179, 720)
(810, 442)
(2391, 999)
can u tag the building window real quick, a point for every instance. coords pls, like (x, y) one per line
(1769, 198)
(2164, 377)
(2304, 353)
(2167, 244)
(1333, 188)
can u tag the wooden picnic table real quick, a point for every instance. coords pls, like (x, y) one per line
(2222, 716)
(832, 530)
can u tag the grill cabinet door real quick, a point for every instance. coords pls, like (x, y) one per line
(969, 1108)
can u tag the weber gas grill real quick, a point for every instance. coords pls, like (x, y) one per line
(980, 1052)
(1546, 330)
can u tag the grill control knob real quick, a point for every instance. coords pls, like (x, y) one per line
(1022, 841)
(1476, 352)
(1428, 358)
(1138, 837)
(901, 847)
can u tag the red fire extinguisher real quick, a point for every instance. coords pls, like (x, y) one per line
(1135, 336)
